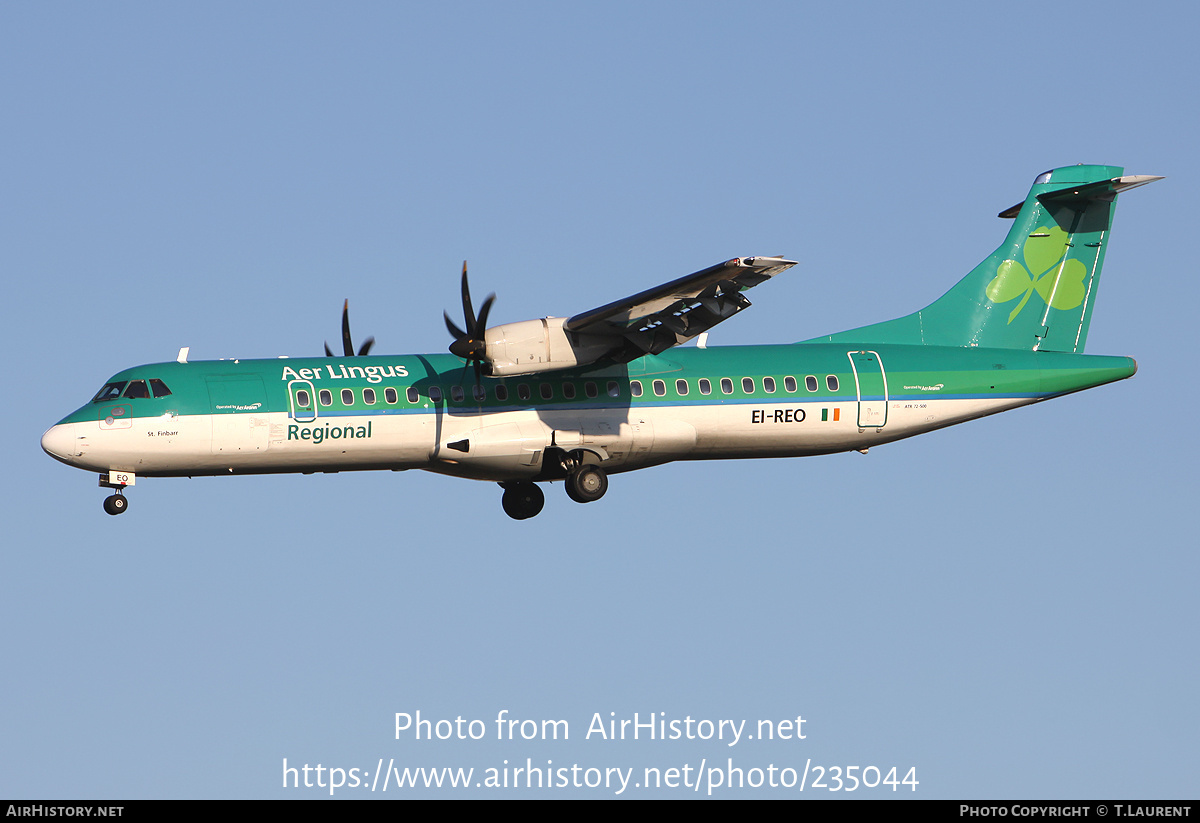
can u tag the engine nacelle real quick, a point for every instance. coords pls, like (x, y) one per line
(533, 346)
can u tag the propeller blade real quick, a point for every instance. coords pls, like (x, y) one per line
(469, 344)
(347, 342)
(481, 323)
(347, 346)
(468, 312)
(454, 330)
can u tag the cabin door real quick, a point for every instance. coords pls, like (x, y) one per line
(870, 382)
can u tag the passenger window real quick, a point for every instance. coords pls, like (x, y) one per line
(705, 386)
(681, 387)
(810, 383)
(302, 399)
(660, 388)
(326, 397)
(369, 397)
(590, 389)
(726, 385)
(111, 391)
(456, 394)
(546, 390)
(523, 391)
(635, 388)
(502, 392)
(435, 394)
(613, 389)
(748, 385)
(158, 387)
(769, 385)
(390, 395)
(347, 397)
(832, 382)
(412, 394)
(568, 390)
(136, 390)
(789, 385)
(479, 393)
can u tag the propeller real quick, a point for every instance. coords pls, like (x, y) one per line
(347, 345)
(469, 344)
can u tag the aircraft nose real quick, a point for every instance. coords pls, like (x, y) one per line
(59, 442)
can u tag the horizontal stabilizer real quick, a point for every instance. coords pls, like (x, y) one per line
(1089, 191)
(1103, 189)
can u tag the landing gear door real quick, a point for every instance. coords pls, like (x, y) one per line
(871, 384)
(302, 401)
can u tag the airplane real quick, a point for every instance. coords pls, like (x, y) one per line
(612, 390)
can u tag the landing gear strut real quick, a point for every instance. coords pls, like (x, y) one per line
(522, 499)
(116, 503)
(587, 484)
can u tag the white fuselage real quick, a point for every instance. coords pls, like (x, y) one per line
(501, 445)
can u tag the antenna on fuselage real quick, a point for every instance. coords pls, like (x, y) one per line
(183, 353)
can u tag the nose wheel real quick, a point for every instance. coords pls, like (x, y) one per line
(117, 481)
(116, 504)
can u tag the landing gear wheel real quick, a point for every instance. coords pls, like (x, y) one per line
(587, 484)
(569, 486)
(522, 500)
(116, 504)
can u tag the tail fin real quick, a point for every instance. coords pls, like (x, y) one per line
(1037, 290)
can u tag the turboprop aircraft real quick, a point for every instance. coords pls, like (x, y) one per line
(610, 390)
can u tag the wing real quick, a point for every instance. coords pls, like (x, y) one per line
(657, 319)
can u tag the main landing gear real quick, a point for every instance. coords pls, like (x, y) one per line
(523, 499)
(587, 484)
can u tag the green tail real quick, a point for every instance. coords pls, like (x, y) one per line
(1037, 290)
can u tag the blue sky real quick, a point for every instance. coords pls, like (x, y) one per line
(1007, 606)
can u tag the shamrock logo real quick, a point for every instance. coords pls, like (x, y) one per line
(1043, 253)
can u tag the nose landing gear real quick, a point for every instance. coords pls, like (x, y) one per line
(117, 481)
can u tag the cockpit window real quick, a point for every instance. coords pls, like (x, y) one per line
(111, 391)
(136, 390)
(132, 390)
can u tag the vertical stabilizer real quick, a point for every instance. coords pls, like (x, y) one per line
(1038, 289)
